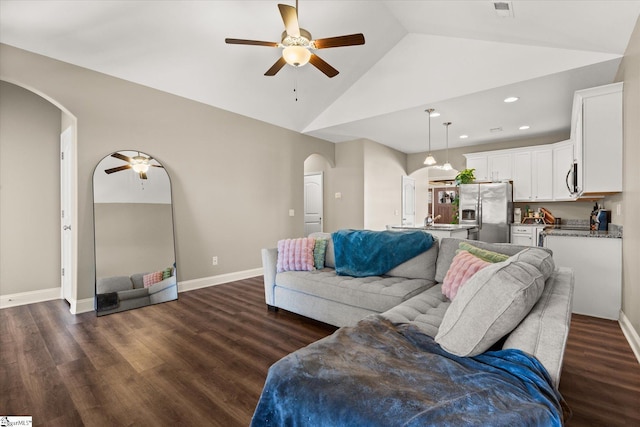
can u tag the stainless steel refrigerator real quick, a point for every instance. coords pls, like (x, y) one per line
(490, 207)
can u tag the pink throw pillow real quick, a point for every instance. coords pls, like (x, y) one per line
(463, 266)
(151, 278)
(295, 255)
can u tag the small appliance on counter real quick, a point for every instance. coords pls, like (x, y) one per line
(517, 215)
(599, 219)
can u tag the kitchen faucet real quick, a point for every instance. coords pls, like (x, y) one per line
(429, 221)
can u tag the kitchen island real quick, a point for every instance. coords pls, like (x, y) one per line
(444, 230)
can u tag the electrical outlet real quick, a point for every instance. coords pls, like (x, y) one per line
(214, 260)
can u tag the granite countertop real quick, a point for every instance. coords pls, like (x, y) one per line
(445, 227)
(614, 232)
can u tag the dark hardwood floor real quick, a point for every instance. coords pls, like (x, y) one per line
(202, 361)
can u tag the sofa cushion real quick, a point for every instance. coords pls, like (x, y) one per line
(329, 256)
(151, 278)
(319, 251)
(490, 306)
(376, 293)
(484, 254)
(425, 311)
(138, 280)
(539, 258)
(422, 266)
(295, 254)
(113, 284)
(449, 246)
(464, 266)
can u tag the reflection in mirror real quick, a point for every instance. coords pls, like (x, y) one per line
(134, 244)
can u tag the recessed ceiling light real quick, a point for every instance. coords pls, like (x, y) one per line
(435, 114)
(511, 99)
(464, 136)
(525, 127)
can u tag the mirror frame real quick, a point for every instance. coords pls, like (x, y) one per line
(164, 290)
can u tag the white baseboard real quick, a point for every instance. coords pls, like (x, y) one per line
(82, 306)
(631, 334)
(190, 285)
(30, 297)
(87, 304)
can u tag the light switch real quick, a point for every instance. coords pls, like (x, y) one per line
(338, 195)
(291, 212)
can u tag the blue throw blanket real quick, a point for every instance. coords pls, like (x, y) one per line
(361, 253)
(380, 374)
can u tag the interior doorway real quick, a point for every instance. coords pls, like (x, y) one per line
(313, 202)
(408, 201)
(67, 226)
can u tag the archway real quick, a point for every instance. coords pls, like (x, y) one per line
(68, 222)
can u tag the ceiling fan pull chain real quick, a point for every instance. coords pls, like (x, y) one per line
(295, 84)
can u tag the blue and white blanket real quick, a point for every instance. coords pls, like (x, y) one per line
(381, 374)
(362, 253)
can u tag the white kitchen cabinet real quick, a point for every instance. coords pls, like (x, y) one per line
(596, 128)
(597, 268)
(526, 235)
(533, 174)
(499, 166)
(479, 163)
(491, 165)
(562, 164)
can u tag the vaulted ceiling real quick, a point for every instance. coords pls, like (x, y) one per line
(458, 57)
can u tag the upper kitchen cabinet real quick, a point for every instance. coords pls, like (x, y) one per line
(533, 174)
(491, 165)
(596, 127)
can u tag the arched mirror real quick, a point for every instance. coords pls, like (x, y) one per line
(134, 241)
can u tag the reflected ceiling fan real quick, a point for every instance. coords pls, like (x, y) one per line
(140, 164)
(298, 44)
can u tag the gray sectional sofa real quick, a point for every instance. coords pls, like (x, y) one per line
(131, 292)
(411, 293)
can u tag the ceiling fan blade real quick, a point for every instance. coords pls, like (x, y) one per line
(276, 67)
(290, 19)
(157, 166)
(121, 157)
(118, 169)
(143, 175)
(251, 42)
(348, 40)
(322, 65)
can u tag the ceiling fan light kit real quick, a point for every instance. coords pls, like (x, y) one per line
(297, 44)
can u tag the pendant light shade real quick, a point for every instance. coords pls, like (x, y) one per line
(430, 160)
(447, 166)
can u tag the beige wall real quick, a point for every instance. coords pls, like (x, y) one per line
(347, 178)
(384, 168)
(234, 178)
(133, 238)
(29, 191)
(629, 73)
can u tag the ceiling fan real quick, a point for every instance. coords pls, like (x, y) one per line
(140, 164)
(298, 44)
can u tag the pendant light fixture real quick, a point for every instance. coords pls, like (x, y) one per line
(430, 160)
(447, 166)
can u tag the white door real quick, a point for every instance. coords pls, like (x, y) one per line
(408, 201)
(67, 220)
(313, 195)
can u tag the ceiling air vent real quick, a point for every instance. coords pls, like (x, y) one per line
(504, 9)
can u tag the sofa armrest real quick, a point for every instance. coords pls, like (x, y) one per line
(269, 263)
(543, 333)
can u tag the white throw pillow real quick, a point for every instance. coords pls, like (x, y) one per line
(489, 306)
